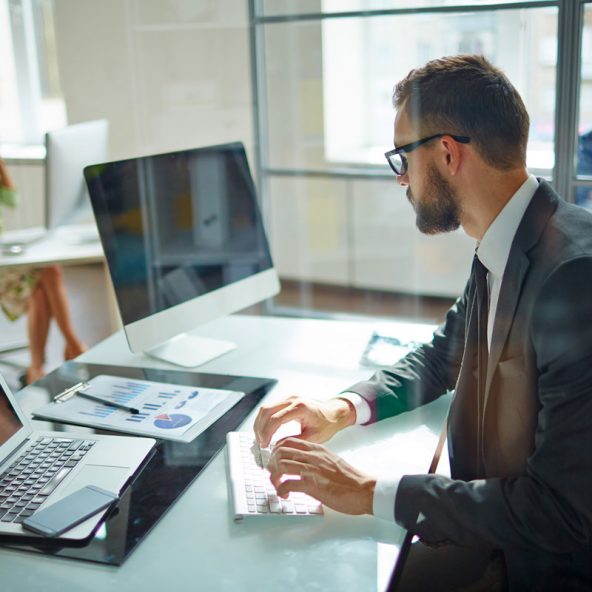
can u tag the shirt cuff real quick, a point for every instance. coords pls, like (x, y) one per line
(363, 412)
(385, 494)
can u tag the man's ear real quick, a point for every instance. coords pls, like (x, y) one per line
(451, 154)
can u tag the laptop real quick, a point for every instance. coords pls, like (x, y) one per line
(38, 468)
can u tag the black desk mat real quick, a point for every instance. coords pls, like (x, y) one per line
(164, 476)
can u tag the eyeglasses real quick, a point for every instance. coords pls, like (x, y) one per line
(397, 159)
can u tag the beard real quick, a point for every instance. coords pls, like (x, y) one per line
(438, 210)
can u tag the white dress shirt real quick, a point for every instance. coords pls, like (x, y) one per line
(493, 252)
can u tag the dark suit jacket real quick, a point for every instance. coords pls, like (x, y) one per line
(522, 466)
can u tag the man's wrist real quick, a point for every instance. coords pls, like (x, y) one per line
(363, 413)
(368, 495)
(345, 412)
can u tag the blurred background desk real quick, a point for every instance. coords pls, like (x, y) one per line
(197, 545)
(74, 244)
(78, 249)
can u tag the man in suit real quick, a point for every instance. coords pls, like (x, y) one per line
(516, 347)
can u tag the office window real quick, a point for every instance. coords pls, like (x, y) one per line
(335, 78)
(368, 54)
(324, 73)
(30, 95)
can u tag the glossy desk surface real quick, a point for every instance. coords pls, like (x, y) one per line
(197, 545)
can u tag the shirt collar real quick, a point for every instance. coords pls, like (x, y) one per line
(494, 249)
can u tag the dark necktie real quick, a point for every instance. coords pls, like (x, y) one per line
(482, 297)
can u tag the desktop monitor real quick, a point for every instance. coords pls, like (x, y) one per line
(67, 152)
(184, 242)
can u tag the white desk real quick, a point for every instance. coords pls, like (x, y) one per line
(73, 244)
(197, 546)
(66, 245)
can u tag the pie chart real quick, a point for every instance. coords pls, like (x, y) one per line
(171, 421)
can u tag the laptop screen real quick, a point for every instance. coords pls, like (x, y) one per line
(10, 424)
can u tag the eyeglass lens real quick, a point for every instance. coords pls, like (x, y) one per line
(398, 163)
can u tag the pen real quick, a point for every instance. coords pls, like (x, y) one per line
(132, 410)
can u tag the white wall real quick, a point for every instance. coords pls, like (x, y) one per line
(29, 177)
(167, 74)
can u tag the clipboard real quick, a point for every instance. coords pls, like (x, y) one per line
(140, 407)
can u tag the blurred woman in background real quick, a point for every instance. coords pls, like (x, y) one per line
(41, 293)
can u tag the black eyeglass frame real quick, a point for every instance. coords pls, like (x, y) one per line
(401, 150)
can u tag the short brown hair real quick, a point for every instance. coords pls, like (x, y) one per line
(467, 95)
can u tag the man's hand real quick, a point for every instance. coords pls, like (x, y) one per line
(319, 420)
(322, 475)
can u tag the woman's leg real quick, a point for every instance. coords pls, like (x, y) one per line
(38, 327)
(51, 281)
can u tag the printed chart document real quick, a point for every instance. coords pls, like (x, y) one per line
(167, 411)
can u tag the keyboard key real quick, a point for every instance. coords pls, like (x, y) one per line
(9, 517)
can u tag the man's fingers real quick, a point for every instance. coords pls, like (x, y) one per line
(274, 422)
(286, 467)
(290, 485)
(295, 442)
(263, 430)
(295, 449)
(291, 412)
(297, 457)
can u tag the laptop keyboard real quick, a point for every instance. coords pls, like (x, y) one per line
(32, 477)
(252, 492)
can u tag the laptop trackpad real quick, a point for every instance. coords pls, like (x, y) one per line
(109, 478)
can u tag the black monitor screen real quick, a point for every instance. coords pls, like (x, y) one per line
(175, 226)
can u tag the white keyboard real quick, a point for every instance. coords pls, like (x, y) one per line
(252, 491)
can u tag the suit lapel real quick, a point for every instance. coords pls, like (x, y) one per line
(542, 205)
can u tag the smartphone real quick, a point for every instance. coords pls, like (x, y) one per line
(69, 511)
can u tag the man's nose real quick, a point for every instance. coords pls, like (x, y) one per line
(403, 180)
